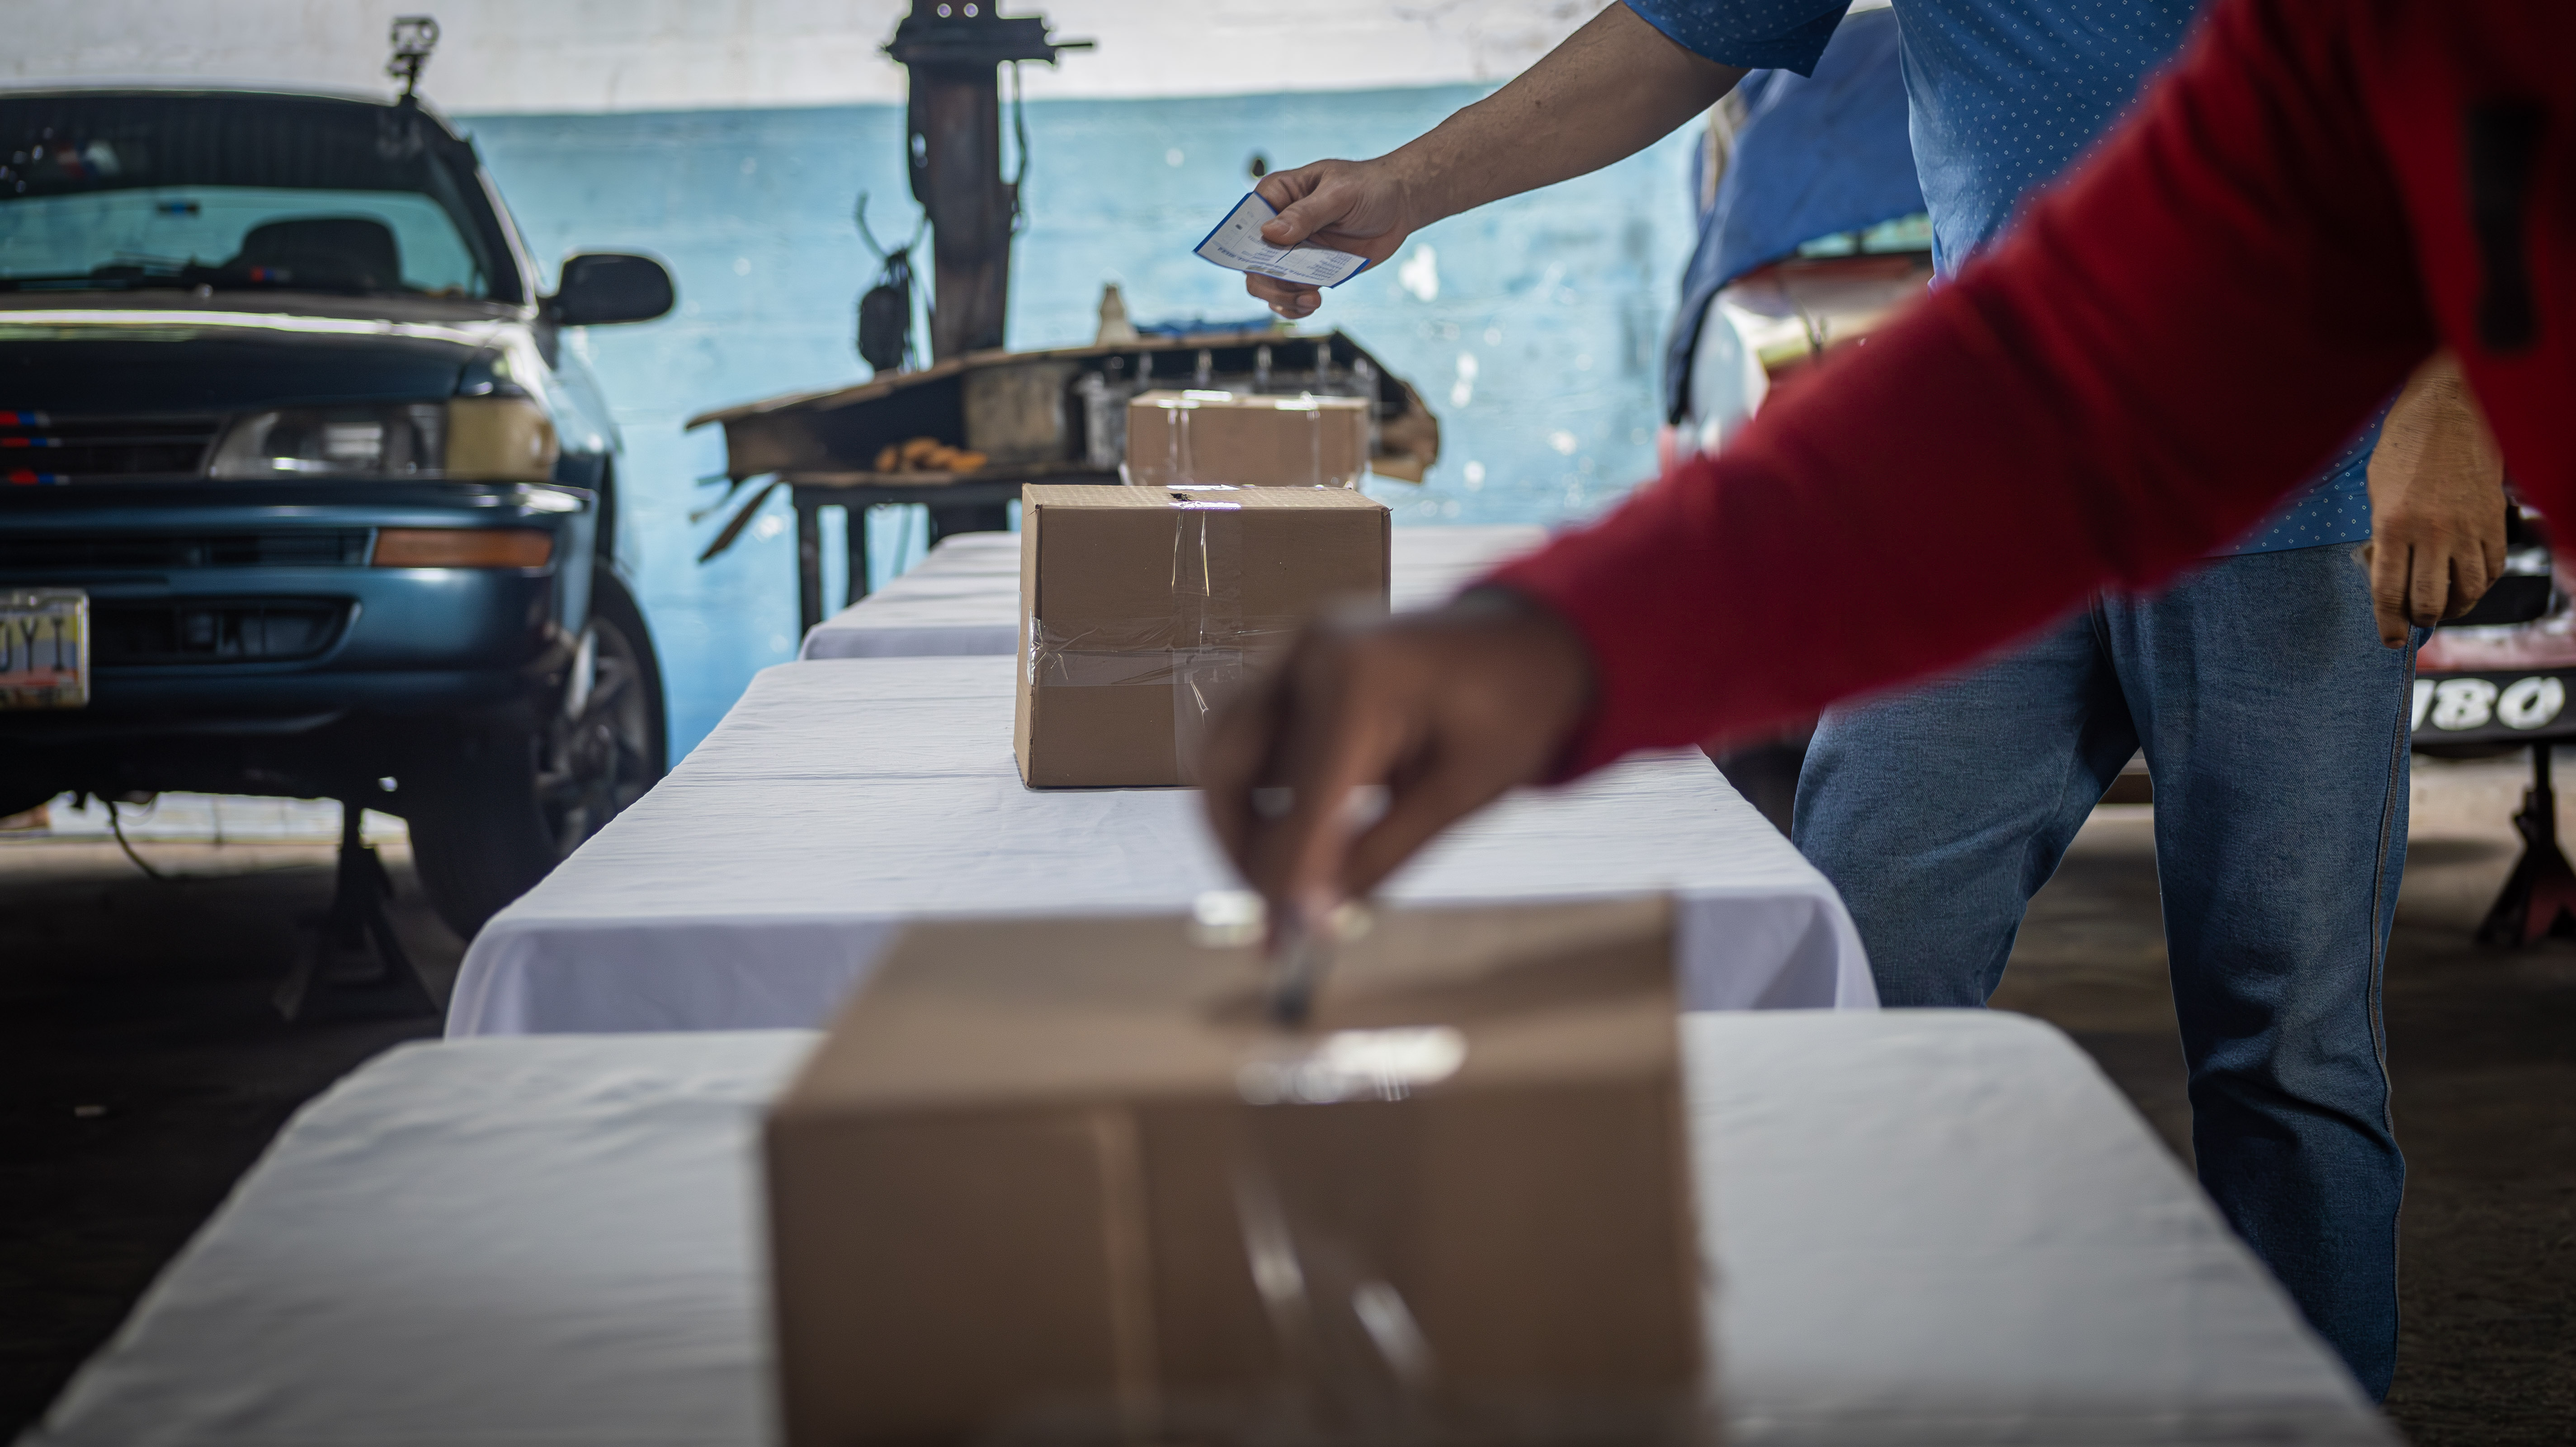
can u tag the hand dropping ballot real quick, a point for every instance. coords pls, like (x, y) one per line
(1236, 244)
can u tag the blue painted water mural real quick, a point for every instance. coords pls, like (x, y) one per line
(1532, 327)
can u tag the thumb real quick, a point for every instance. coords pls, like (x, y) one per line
(1294, 225)
(1300, 219)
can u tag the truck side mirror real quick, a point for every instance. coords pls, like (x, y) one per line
(603, 287)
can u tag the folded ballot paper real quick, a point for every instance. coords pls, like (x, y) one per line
(1236, 244)
(1066, 1183)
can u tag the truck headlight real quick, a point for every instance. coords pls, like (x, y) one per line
(500, 439)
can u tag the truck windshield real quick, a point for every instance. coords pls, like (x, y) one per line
(104, 191)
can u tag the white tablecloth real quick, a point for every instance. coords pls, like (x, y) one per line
(839, 799)
(963, 598)
(1927, 1228)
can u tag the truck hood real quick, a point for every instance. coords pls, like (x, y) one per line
(147, 354)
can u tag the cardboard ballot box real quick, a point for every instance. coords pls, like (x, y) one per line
(1145, 609)
(1064, 1181)
(1245, 439)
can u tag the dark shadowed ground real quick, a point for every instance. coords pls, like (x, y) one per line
(143, 1069)
(2482, 1048)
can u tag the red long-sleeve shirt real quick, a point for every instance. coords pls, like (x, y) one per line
(2170, 341)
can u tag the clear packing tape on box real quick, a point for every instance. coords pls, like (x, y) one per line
(1356, 1366)
(1202, 651)
(1456, 1211)
(1310, 454)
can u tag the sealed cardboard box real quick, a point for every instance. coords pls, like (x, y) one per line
(1145, 609)
(1066, 1181)
(1247, 440)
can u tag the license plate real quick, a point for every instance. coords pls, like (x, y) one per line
(44, 648)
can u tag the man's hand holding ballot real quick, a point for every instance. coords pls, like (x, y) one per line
(1629, 85)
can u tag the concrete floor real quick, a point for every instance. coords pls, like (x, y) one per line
(142, 1070)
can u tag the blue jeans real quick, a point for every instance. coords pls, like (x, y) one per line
(2276, 728)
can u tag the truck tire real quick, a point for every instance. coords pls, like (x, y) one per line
(495, 811)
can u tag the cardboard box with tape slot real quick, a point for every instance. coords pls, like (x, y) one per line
(1144, 610)
(1068, 1181)
(1250, 440)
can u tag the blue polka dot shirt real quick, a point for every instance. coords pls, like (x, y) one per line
(2003, 95)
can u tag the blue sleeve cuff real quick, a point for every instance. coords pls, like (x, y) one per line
(1754, 34)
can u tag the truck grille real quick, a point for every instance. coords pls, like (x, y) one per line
(75, 552)
(38, 450)
(227, 630)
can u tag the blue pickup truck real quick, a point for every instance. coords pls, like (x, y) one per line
(301, 491)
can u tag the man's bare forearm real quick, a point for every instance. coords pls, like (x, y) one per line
(1612, 89)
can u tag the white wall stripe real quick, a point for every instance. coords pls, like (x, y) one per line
(576, 56)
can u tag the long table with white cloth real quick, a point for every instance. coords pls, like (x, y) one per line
(1920, 1227)
(963, 598)
(839, 799)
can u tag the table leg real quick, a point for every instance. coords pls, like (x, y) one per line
(855, 545)
(972, 517)
(809, 564)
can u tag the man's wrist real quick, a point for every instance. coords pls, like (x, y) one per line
(1423, 182)
(1503, 603)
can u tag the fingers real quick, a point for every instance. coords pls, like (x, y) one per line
(2472, 574)
(1314, 207)
(1346, 726)
(2428, 583)
(1449, 789)
(2388, 590)
(1282, 188)
(1358, 207)
(2437, 502)
(2422, 574)
(1341, 204)
(2481, 566)
(1286, 298)
(1447, 709)
(1234, 764)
